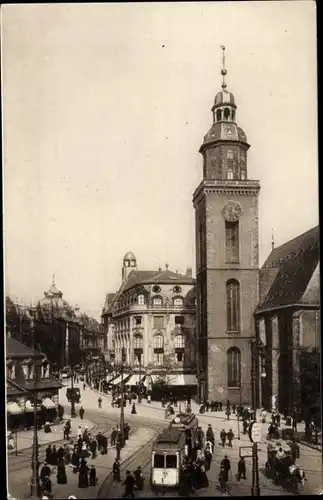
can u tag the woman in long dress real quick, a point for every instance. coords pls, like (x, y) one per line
(61, 473)
(83, 475)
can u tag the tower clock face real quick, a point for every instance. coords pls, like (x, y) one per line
(231, 211)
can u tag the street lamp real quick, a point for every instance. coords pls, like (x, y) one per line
(139, 386)
(73, 413)
(255, 489)
(34, 483)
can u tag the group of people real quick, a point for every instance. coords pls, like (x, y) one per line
(75, 455)
(133, 482)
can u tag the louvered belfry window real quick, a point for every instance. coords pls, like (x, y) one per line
(234, 367)
(233, 306)
(232, 241)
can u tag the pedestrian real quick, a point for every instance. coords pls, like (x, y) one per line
(139, 478)
(241, 469)
(126, 431)
(100, 402)
(83, 481)
(230, 436)
(208, 458)
(79, 432)
(118, 449)
(93, 447)
(226, 464)
(295, 450)
(75, 461)
(234, 407)
(54, 456)
(129, 484)
(245, 426)
(210, 434)
(116, 471)
(133, 409)
(228, 413)
(45, 471)
(93, 476)
(223, 479)
(113, 437)
(84, 385)
(81, 412)
(223, 437)
(61, 473)
(48, 454)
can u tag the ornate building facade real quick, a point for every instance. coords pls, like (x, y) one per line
(226, 223)
(151, 319)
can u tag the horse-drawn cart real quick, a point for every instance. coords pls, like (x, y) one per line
(280, 465)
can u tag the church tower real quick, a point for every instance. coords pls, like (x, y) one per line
(226, 224)
(129, 264)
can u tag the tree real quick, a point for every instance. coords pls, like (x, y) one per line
(310, 393)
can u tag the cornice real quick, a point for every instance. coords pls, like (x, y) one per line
(225, 187)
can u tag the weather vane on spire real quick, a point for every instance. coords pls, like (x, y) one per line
(223, 71)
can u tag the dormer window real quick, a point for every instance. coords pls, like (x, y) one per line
(178, 302)
(157, 301)
(141, 300)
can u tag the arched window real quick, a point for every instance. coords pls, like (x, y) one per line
(141, 300)
(234, 367)
(158, 342)
(226, 113)
(218, 115)
(178, 302)
(157, 301)
(179, 342)
(233, 306)
(230, 174)
(138, 342)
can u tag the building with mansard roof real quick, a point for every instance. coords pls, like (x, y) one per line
(151, 319)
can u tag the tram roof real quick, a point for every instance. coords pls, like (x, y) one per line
(184, 419)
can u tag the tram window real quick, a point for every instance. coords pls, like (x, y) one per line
(159, 461)
(171, 461)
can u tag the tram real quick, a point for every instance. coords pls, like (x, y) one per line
(169, 450)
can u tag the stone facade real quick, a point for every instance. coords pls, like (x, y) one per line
(225, 196)
(151, 321)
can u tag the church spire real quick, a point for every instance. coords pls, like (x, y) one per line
(223, 71)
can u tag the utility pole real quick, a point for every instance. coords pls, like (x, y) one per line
(34, 483)
(73, 414)
(139, 384)
(255, 489)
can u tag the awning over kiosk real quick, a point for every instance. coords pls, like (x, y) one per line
(13, 409)
(48, 404)
(135, 379)
(181, 380)
(118, 379)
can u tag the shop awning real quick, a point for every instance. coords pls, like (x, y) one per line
(157, 378)
(135, 379)
(13, 409)
(30, 407)
(181, 380)
(48, 404)
(118, 379)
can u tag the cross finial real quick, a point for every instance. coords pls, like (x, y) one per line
(223, 71)
(53, 279)
(272, 240)
(166, 265)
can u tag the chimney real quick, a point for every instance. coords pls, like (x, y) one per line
(189, 272)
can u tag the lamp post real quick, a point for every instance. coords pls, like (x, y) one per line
(255, 489)
(139, 386)
(73, 414)
(238, 416)
(34, 483)
(122, 405)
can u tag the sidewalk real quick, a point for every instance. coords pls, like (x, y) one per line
(25, 438)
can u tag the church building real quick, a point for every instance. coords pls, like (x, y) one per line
(227, 268)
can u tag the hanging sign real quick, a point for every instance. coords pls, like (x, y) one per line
(255, 432)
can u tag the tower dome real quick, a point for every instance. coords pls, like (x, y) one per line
(224, 97)
(129, 256)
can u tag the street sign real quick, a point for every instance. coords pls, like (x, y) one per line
(255, 433)
(245, 451)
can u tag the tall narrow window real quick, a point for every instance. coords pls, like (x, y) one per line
(234, 367)
(233, 306)
(232, 241)
(230, 174)
(140, 300)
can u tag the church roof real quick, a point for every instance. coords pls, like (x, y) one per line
(129, 256)
(224, 97)
(288, 270)
(53, 305)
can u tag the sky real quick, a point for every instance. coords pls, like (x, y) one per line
(104, 109)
